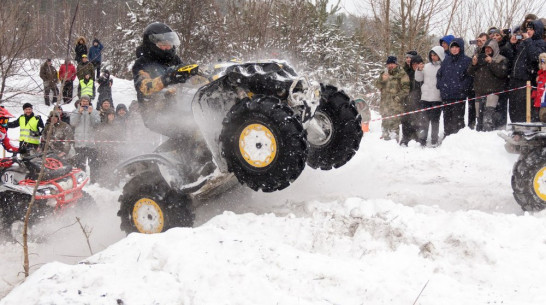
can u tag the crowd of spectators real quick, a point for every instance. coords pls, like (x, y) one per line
(490, 82)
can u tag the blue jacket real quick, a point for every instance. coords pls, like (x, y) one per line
(453, 80)
(95, 55)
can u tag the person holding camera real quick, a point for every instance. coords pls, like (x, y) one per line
(84, 119)
(490, 70)
(472, 111)
(524, 54)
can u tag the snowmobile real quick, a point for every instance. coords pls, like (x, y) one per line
(529, 172)
(259, 123)
(60, 188)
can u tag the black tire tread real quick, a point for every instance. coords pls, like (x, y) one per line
(523, 175)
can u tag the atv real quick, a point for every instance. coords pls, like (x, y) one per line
(60, 188)
(529, 172)
(257, 123)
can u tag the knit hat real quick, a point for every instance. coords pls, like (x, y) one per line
(85, 97)
(391, 60)
(53, 113)
(417, 59)
(27, 105)
(121, 106)
(494, 31)
(84, 56)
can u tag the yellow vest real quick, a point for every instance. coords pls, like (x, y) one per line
(86, 89)
(29, 131)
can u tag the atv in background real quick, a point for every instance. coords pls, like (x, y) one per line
(529, 173)
(259, 123)
(60, 188)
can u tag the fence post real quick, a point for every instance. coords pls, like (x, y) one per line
(528, 98)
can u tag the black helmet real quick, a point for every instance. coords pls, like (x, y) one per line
(158, 32)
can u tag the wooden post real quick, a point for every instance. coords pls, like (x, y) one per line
(528, 98)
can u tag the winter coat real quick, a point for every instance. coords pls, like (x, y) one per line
(48, 74)
(86, 68)
(6, 143)
(81, 49)
(67, 74)
(148, 72)
(538, 94)
(61, 137)
(525, 54)
(489, 77)
(414, 96)
(84, 127)
(105, 89)
(393, 91)
(429, 92)
(95, 52)
(453, 80)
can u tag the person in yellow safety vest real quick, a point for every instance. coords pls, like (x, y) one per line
(86, 87)
(31, 127)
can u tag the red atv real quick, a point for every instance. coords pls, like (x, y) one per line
(60, 188)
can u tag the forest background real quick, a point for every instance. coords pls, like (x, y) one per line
(321, 38)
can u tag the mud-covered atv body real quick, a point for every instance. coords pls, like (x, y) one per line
(529, 172)
(60, 187)
(259, 124)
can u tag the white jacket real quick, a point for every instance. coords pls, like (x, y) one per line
(429, 92)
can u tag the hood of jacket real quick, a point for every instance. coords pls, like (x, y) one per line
(81, 38)
(448, 39)
(493, 44)
(539, 29)
(460, 43)
(439, 50)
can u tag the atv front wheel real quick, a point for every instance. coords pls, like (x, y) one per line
(529, 180)
(334, 132)
(152, 208)
(263, 143)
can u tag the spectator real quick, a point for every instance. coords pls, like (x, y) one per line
(454, 84)
(48, 74)
(67, 74)
(61, 138)
(122, 115)
(31, 127)
(85, 67)
(472, 116)
(411, 122)
(407, 63)
(445, 42)
(108, 134)
(503, 39)
(95, 56)
(525, 24)
(86, 87)
(105, 88)
(394, 85)
(64, 116)
(489, 70)
(4, 139)
(538, 94)
(105, 107)
(524, 54)
(84, 119)
(81, 49)
(430, 96)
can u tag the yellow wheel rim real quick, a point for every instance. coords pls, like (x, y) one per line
(148, 216)
(257, 145)
(539, 183)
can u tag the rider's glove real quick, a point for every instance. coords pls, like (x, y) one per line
(23, 150)
(175, 75)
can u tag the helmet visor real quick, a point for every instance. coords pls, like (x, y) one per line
(165, 39)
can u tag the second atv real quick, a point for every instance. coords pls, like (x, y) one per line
(259, 123)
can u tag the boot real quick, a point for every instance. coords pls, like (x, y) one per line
(488, 124)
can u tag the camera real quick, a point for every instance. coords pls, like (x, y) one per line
(506, 31)
(85, 107)
(473, 42)
(519, 37)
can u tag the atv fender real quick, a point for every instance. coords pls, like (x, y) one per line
(159, 166)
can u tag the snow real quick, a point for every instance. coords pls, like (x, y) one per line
(391, 223)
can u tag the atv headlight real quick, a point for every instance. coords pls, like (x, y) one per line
(80, 177)
(48, 191)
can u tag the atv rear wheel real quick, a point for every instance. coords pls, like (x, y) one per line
(263, 143)
(152, 208)
(334, 132)
(529, 180)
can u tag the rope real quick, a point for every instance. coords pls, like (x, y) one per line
(444, 105)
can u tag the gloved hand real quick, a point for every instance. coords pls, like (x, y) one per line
(23, 150)
(179, 74)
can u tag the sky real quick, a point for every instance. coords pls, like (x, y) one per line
(395, 225)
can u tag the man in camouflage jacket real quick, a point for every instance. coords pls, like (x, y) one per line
(394, 85)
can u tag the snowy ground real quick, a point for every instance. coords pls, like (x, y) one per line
(392, 222)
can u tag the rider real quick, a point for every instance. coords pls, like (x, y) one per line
(155, 70)
(4, 117)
